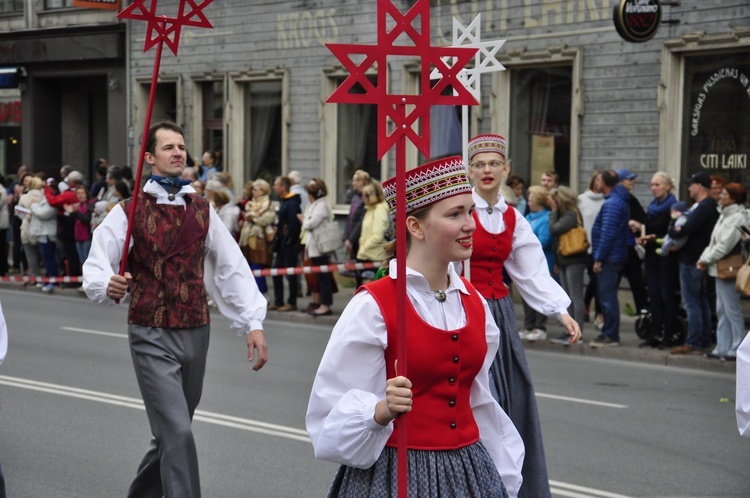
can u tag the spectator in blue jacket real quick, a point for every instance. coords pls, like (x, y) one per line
(610, 252)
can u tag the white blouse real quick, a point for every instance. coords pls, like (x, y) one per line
(226, 274)
(526, 265)
(351, 380)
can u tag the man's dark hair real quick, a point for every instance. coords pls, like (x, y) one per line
(285, 181)
(553, 174)
(610, 178)
(161, 125)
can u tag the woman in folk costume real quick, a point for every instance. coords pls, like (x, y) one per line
(460, 443)
(504, 239)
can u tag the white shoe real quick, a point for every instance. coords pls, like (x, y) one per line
(524, 334)
(537, 335)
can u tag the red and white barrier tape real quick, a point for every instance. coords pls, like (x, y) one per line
(265, 272)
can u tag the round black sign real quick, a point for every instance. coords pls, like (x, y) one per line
(637, 20)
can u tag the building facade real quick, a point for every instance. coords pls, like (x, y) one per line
(70, 101)
(575, 96)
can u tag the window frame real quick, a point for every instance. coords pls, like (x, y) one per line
(500, 97)
(234, 119)
(141, 91)
(671, 95)
(329, 133)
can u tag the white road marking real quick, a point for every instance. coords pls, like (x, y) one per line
(580, 400)
(204, 416)
(569, 490)
(96, 332)
(582, 492)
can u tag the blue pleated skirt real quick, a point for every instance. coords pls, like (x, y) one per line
(467, 472)
(511, 386)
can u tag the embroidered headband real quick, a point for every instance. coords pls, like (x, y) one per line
(429, 183)
(488, 143)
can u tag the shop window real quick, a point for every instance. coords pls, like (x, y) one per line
(540, 122)
(716, 126)
(11, 6)
(263, 129)
(213, 118)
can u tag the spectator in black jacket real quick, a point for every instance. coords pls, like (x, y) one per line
(633, 269)
(700, 224)
(286, 246)
(661, 270)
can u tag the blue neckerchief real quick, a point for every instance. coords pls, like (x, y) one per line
(170, 181)
(656, 207)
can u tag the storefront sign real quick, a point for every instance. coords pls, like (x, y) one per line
(637, 20)
(97, 4)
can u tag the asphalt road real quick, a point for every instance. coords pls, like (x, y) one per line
(72, 424)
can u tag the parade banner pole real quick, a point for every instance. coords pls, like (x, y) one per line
(161, 30)
(402, 428)
(142, 155)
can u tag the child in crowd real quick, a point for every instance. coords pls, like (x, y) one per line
(680, 214)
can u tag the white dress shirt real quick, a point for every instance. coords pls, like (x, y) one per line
(526, 265)
(227, 276)
(351, 380)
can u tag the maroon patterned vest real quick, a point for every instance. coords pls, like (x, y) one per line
(166, 262)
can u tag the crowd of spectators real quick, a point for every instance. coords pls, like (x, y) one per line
(669, 253)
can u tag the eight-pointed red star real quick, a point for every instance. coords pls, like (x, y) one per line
(163, 28)
(391, 106)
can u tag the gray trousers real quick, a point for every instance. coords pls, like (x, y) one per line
(169, 366)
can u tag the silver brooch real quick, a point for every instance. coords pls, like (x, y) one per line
(440, 296)
(489, 209)
(170, 197)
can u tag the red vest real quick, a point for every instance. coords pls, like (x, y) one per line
(490, 252)
(166, 262)
(442, 365)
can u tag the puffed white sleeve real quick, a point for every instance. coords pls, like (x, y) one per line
(496, 430)
(229, 280)
(527, 266)
(105, 255)
(349, 383)
(742, 405)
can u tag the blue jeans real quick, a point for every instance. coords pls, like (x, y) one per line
(695, 302)
(607, 282)
(83, 248)
(731, 327)
(48, 255)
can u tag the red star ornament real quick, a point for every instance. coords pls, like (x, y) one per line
(163, 28)
(403, 110)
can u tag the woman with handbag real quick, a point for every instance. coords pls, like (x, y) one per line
(258, 230)
(571, 245)
(316, 216)
(725, 239)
